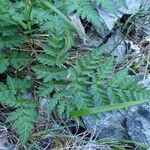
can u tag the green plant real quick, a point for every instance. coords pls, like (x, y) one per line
(71, 88)
(11, 26)
(107, 90)
(52, 68)
(24, 112)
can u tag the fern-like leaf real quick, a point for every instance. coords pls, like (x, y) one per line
(20, 85)
(6, 96)
(23, 119)
(50, 73)
(85, 9)
(95, 84)
(25, 114)
(53, 69)
(80, 75)
(4, 63)
(18, 59)
(48, 87)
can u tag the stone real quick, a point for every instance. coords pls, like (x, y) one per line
(145, 81)
(138, 118)
(116, 45)
(92, 147)
(78, 24)
(132, 6)
(107, 125)
(106, 148)
(108, 19)
(138, 123)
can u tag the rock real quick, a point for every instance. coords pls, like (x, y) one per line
(78, 24)
(107, 125)
(108, 19)
(91, 147)
(145, 81)
(138, 118)
(116, 45)
(28, 95)
(132, 6)
(138, 123)
(106, 148)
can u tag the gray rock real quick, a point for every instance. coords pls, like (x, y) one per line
(107, 125)
(96, 148)
(138, 123)
(105, 148)
(116, 45)
(132, 7)
(145, 81)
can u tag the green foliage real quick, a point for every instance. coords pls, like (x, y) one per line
(10, 26)
(13, 59)
(96, 85)
(18, 59)
(4, 62)
(70, 87)
(23, 120)
(24, 115)
(85, 9)
(52, 69)
(19, 19)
